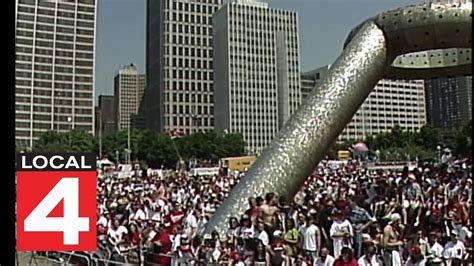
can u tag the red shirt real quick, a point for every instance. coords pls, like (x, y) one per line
(175, 217)
(134, 238)
(165, 241)
(341, 262)
(253, 212)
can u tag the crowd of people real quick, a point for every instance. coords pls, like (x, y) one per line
(346, 215)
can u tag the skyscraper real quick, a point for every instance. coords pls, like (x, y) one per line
(54, 67)
(179, 93)
(449, 102)
(391, 102)
(105, 116)
(312, 79)
(256, 70)
(129, 86)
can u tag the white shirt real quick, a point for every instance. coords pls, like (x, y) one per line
(102, 221)
(437, 250)
(121, 231)
(464, 234)
(176, 242)
(454, 250)
(419, 263)
(328, 262)
(263, 236)
(113, 235)
(338, 242)
(190, 223)
(309, 237)
(139, 215)
(373, 261)
(247, 232)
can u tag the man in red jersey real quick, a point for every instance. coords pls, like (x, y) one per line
(161, 246)
(176, 215)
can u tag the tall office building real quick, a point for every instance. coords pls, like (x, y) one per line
(179, 61)
(392, 102)
(54, 67)
(105, 116)
(449, 102)
(256, 70)
(129, 86)
(311, 80)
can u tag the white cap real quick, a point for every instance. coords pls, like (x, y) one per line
(394, 217)
(277, 233)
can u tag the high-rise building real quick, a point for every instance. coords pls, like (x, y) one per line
(105, 117)
(256, 70)
(129, 86)
(179, 93)
(449, 102)
(54, 67)
(312, 79)
(391, 102)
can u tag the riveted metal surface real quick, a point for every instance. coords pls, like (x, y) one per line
(286, 163)
(422, 28)
(433, 63)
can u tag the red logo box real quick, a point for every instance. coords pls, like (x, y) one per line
(56, 202)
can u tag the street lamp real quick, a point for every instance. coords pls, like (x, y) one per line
(69, 120)
(439, 153)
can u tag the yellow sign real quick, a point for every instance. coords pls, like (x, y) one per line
(238, 163)
(343, 154)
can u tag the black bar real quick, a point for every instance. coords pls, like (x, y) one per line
(79, 162)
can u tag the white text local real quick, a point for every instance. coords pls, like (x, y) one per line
(55, 162)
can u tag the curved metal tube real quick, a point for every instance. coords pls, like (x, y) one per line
(369, 52)
(301, 144)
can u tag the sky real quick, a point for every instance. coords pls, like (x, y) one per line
(323, 26)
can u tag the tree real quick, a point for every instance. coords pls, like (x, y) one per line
(81, 141)
(51, 141)
(463, 140)
(428, 137)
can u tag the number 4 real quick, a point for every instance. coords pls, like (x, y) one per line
(70, 224)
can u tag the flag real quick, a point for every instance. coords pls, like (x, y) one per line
(175, 133)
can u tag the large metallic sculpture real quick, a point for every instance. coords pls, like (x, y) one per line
(398, 44)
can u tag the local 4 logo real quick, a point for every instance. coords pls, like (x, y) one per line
(56, 202)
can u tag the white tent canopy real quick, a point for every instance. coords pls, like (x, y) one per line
(105, 161)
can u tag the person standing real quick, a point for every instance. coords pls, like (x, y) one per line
(291, 238)
(361, 220)
(325, 259)
(369, 258)
(346, 258)
(311, 239)
(341, 232)
(454, 250)
(391, 242)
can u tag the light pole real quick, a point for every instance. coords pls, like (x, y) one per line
(117, 157)
(56, 111)
(69, 120)
(100, 135)
(439, 153)
(128, 150)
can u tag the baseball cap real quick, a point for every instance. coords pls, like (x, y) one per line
(277, 233)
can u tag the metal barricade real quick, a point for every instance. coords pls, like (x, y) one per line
(62, 258)
(54, 258)
(176, 261)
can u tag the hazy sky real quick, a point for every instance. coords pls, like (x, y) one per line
(323, 26)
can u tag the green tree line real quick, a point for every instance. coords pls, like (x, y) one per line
(150, 147)
(399, 144)
(156, 149)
